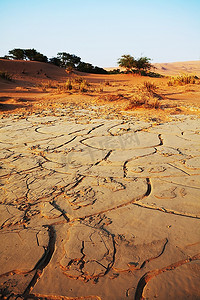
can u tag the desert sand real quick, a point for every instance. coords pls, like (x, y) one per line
(98, 199)
(189, 67)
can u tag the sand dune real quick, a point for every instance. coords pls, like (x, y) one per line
(174, 68)
(190, 67)
(31, 68)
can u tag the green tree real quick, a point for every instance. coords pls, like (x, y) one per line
(143, 64)
(68, 60)
(140, 65)
(32, 55)
(89, 68)
(17, 53)
(55, 61)
(98, 70)
(29, 54)
(40, 57)
(85, 67)
(127, 61)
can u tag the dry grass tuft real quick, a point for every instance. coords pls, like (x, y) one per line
(107, 82)
(5, 76)
(183, 80)
(74, 85)
(68, 85)
(84, 86)
(146, 97)
(142, 96)
(149, 87)
(113, 97)
(144, 101)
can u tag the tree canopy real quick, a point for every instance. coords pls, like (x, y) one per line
(63, 60)
(126, 61)
(89, 68)
(68, 60)
(17, 53)
(27, 54)
(134, 65)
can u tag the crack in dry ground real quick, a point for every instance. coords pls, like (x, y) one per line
(149, 275)
(92, 192)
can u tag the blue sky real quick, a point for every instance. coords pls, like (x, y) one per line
(100, 31)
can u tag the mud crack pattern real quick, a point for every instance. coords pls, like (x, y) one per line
(99, 207)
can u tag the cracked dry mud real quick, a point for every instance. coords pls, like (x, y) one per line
(98, 207)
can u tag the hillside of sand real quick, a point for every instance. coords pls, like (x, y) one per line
(178, 68)
(173, 68)
(35, 85)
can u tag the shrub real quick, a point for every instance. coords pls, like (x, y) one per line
(6, 76)
(145, 97)
(84, 86)
(143, 100)
(69, 70)
(68, 85)
(107, 82)
(113, 97)
(182, 80)
(149, 87)
(153, 74)
(78, 79)
(114, 71)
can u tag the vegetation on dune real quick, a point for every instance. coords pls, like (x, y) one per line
(6, 76)
(134, 65)
(146, 97)
(68, 85)
(141, 66)
(127, 62)
(70, 62)
(114, 71)
(26, 54)
(182, 80)
(63, 60)
(89, 68)
(76, 84)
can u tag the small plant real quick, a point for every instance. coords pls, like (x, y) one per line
(156, 104)
(47, 85)
(107, 82)
(145, 97)
(101, 89)
(113, 97)
(143, 100)
(182, 80)
(69, 69)
(78, 79)
(149, 87)
(138, 100)
(68, 85)
(84, 86)
(6, 76)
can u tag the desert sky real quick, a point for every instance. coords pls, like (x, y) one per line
(101, 31)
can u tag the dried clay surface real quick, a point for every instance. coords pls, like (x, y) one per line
(96, 206)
